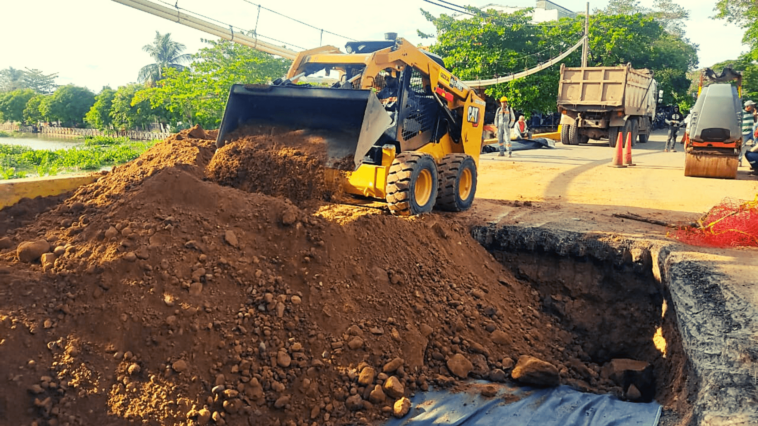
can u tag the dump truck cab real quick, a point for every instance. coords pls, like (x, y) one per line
(393, 106)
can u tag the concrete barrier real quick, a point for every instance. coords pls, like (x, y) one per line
(12, 191)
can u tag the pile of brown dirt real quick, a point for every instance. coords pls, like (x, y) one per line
(174, 300)
(274, 161)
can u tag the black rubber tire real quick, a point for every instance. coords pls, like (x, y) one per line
(574, 135)
(613, 134)
(565, 132)
(452, 168)
(632, 127)
(402, 180)
(643, 138)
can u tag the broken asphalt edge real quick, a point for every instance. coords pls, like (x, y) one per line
(719, 329)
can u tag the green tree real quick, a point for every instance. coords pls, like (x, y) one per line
(128, 113)
(167, 54)
(39, 82)
(492, 44)
(68, 104)
(198, 94)
(12, 104)
(11, 79)
(99, 116)
(623, 7)
(32, 114)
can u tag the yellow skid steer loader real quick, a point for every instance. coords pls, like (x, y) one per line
(413, 130)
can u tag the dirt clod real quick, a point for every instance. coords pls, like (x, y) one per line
(401, 408)
(459, 365)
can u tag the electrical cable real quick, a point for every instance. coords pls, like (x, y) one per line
(225, 24)
(296, 20)
(449, 8)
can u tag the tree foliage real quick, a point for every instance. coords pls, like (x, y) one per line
(68, 105)
(494, 44)
(167, 54)
(128, 112)
(198, 94)
(99, 116)
(32, 114)
(14, 79)
(12, 104)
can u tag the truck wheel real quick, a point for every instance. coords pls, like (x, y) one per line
(457, 187)
(643, 138)
(565, 132)
(632, 128)
(613, 134)
(412, 184)
(574, 135)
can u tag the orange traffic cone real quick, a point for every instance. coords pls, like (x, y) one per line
(618, 154)
(628, 153)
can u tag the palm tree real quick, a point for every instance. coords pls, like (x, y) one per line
(167, 54)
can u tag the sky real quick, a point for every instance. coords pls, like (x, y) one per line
(95, 43)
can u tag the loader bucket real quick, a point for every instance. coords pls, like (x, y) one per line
(350, 121)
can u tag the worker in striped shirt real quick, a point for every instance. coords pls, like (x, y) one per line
(748, 126)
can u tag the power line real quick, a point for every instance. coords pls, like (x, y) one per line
(298, 21)
(448, 7)
(232, 27)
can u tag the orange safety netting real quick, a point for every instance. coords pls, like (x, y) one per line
(729, 224)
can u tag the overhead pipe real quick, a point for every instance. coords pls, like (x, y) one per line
(202, 25)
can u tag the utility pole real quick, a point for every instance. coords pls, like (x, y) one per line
(586, 47)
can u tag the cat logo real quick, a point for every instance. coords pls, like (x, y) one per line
(445, 77)
(473, 115)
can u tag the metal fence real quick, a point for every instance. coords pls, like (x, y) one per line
(136, 135)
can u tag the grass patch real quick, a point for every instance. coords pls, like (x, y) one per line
(5, 134)
(97, 152)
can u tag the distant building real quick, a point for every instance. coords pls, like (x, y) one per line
(544, 11)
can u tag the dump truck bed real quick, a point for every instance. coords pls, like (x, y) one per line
(606, 88)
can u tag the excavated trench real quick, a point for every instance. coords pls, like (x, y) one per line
(610, 298)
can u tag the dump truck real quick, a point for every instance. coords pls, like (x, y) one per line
(601, 102)
(410, 130)
(714, 136)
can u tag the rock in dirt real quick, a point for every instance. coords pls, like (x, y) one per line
(377, 395)
(459, 365)
(367, 376)
(401, 408)
(633, 394)
(203, 417)
(488, 391)
(289, 217)
(500, 337)
(231, 238)
(394, 388)
(282, 401)
(283, 359)
(355, 343)
(5, 243)
(179, 366)
(197, 132)
(498, 375)
(47, 260)
(535, 372)
(196, 289)
(29, 251)
(111, 233)
(508, 363)
(393, 365)
(354, 403)
(625, 372)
